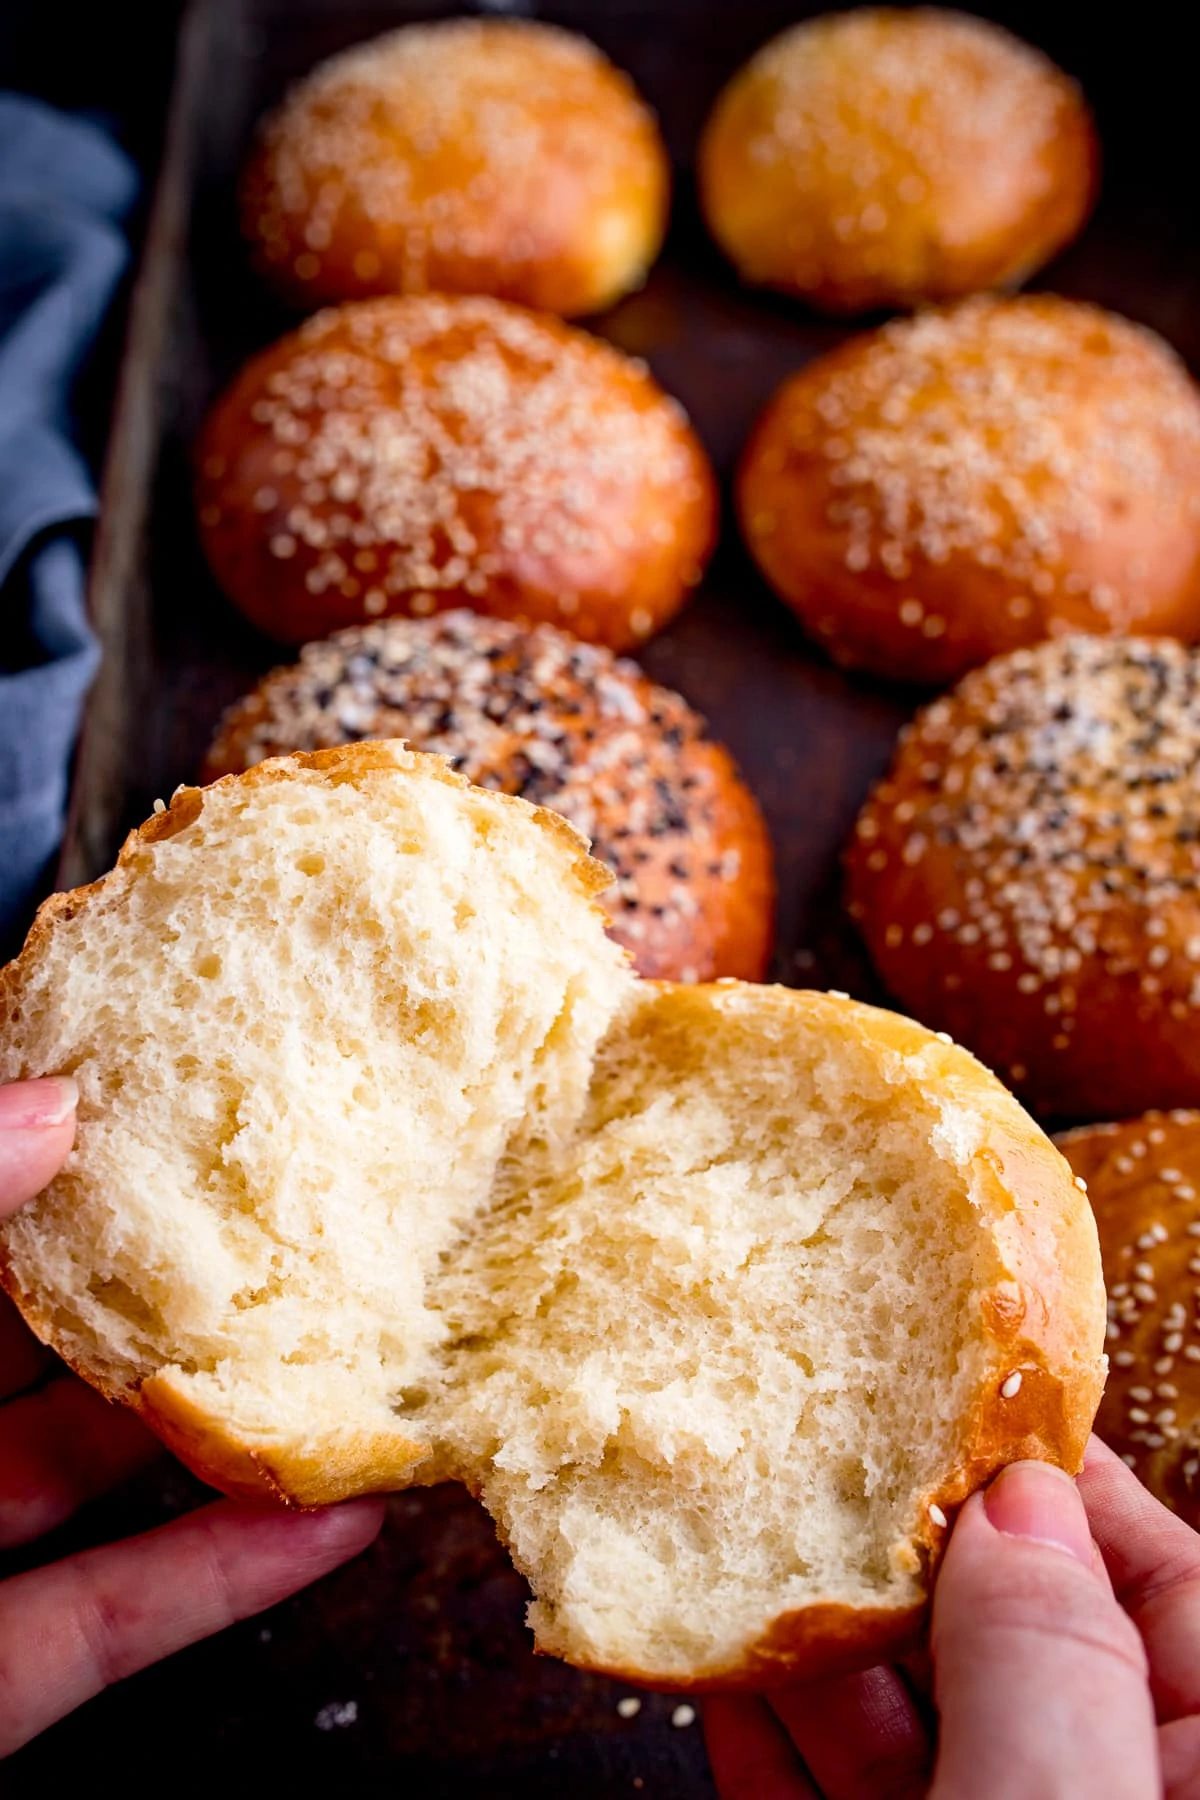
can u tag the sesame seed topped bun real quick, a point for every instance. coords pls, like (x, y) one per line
(567, 726)
(955, 485)
(1027, 876)
(490, 156)
(882, 157)
(1143, 1180)
(413, 455)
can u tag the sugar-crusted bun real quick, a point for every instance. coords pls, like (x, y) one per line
(1027, 876)
(568, 726)
(1143, 1180)
(389, 1171)
(952, 486)
(882, 157)
(411, 455)
(478, 156)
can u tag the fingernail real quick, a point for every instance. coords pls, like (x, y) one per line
(31, 1105)
(1038, 1502)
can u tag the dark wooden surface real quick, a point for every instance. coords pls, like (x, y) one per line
(424, 1635)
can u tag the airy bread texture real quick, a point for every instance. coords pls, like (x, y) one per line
(389, 1171)
(884, 157)
(532, 711)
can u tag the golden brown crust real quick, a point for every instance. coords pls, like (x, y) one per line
(1143, 1180)
(1027, 877)
(567, 725)
(809, 1645)
(476, 156)
(330, 1466)
(957, 485)
(413, 455)
(883, 157)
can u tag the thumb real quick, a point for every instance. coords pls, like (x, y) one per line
(37, 1128)
(1039, 1677)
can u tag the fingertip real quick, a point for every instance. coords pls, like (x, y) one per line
(328, 1534)
(1041, 1504)
(354, 1521)
(33, 1105)
(30, 1157)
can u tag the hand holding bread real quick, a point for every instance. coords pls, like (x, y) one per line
(389, 1171)
(74, 1626)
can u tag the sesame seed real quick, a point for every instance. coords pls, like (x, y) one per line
(937, 1516)
(629, 1706)
(683, 1715)
(450, 445)
(1011, 1385)
(1065, 780)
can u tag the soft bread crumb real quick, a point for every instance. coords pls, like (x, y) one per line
(694, 1367)
(290, 1093)
(388, 1170)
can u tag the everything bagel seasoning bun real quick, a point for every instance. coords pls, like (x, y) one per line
(1027, 876)
(388, 1171)
(568, 726)
(956, 485)
(475, 156)
(408, 456)
(881, 157)
(1143, 1181)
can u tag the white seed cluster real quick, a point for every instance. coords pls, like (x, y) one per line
(397, 450)
(1144, 1179)
(430, 146)
(1009, 438)
(1042, 824)
(885, 109)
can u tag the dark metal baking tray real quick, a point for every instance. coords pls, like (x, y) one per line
(425, 1634)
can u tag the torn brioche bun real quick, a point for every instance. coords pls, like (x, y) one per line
(390, 1171)
(568, 725)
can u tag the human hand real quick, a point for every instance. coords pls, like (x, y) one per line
(74, 1627)
(1066, 1655)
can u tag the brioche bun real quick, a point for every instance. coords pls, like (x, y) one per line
(955, 485)
(882, 158)
(474, 156)
(388, 1171)
(1027, 876)
(1143, 1181)
(407, 456)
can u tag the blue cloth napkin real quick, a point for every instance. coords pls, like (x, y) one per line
(63, 187)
